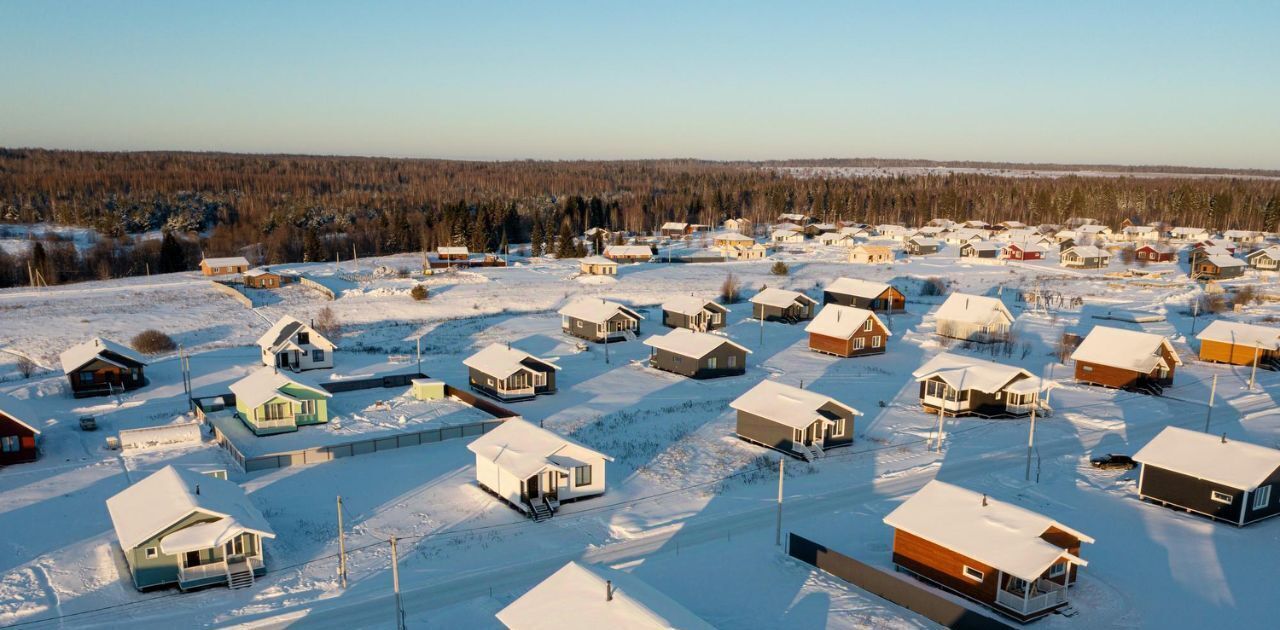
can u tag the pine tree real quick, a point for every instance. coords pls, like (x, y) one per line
(537, 237)
(564, 243)
(312, 250)
(171, 257)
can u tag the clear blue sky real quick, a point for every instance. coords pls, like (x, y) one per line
(1115, 82)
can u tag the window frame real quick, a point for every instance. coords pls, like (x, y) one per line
(1217, 497)
(1262, 497)
(151, 553)
(968, 572)
(1059, 569)
(580, 473)
(7, 440)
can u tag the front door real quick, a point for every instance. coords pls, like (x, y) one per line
(531, 487)
(192, 559)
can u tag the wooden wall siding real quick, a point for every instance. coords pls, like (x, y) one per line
(590, 331)
(983, 403)
(943, 566)
(1167, 486)
(891, 298)
(1071, 544)
(781, 437)
(1234, 354)
(773, 313)
(1099, 374)
(27, 451)
(845, 347)
(104, 373)
(700, 368)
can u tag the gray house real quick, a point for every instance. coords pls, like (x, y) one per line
(1226, 480)
(794, 421)
(185, 528)
(694, 313)
(599, 320)
(697, 354)
(509, 374)
(782, 305)
(922, 245)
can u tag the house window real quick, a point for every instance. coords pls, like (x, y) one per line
(582, 476)
(875, 341)
(151, 553)
(304, 338)
(1262, 497)
(579, 324)
(9, 444)
(859, 343)
(675, 359)
(711, 363)
(1086, 368)
(1221, 497)
(317, 355)
(733, 361)
(973, 574)
(1058, 570)
(275, 411)
(867, 326)
(308, 407)
(86, 377)
(840, 426)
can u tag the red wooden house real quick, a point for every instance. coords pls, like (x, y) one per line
(18, 432)
(1023, 251)
(99, 367)
(1156, 252)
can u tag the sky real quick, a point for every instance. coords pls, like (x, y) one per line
(1070, 82)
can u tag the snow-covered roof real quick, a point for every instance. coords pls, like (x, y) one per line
(685, 342)
(781, 298)
(841, 322)
(264, 383)
(973, 309)
(1087, 251)
(19, 411)
(1125, 349)
(1138, 229)
(995, 533)
(596, 310)
(778, 234)
(452, 251)
(785, 404)
(259, 271)
(1028, 247)
(690, 305)
(597, 260)
(524, 449)
(1225, 260)
(1182, 230)
(171, 494)
(282, 332)
(924, 241)
(864, 289)
(674, 225)
(983, 246)
(968, 373)
(1272, 252)
(228, 261)
(499, 361)
(788, 227)
(873, 249)
(79, 355)
(628, 251)
(1231, 463)
(1238, 234)
(1093, 229)
(1160, 248)
(734, 236)
(1241, 334)
(793, 216)
(574, 598)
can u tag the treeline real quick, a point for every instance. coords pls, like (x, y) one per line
(281, 208)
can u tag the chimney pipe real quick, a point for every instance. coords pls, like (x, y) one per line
(1224, 438)
(984, 500)
(197, 489)
(608, 590)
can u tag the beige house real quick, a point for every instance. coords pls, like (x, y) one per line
(598, 266)
(870, 254)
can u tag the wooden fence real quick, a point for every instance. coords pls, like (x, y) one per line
(163, 435)
(914, 597)
(228, 289)
(312, 284)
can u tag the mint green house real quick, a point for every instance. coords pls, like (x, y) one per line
(269, 402)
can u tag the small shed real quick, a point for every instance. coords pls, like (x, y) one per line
(870, 254)
(697, 354)
(427, 388)
(798, 422)
(782, 305)
(224, 266)
(1227, 480)
(846, 331)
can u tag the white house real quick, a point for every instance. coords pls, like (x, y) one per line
(536, 470)
(786, 236)
(1189, 234)
(973, 317)
(595, 597)
(293, 345)
(836, 239)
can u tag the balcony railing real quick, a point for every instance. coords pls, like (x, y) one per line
(1049, 594)
(212, 570)
(949, 405)
(510, 392)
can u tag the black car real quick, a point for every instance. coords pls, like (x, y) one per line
(1113, 461)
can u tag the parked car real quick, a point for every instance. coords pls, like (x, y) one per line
(1113, 461)
(88, 423)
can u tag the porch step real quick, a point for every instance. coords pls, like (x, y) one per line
(541, 511)
(1067, 611)
(804, 451)
(239, 575)
(817, 450)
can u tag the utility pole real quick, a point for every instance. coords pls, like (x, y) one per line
(342, 548)
(355, 257)
(606, 343)
(1253, 375)
(761, 326)
(419, 342)
(1031, 441)
(395, 584)
(938, 445)
(777, 539)
(1195, 312)
(1213, 391)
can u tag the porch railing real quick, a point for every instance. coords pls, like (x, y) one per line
(187, 575)
(949, 405)
(1050, 594)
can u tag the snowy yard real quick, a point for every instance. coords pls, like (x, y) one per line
(690, 508)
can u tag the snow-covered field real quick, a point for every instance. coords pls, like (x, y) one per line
(690, 508)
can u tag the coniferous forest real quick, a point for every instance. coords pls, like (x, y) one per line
(285, 208)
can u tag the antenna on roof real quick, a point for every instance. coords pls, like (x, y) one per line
(197, 489)
(608, 590)
(1224, 438)
(984, 500)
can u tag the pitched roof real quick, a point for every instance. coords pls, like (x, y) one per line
(690, 305)
(1087, 251)
(1231, 463)
(688, 343)
(452, 251)
(973, 309)
(573, 598)
(281, 334)
(882, 250)
(785, 404)
(864, 289)
(1241, 334)
(781, 298)
(982, 246)
(260, 271)
(597, 260)
(1272, 252)
(1160, 248)
(1225, 260)
(500, 361)
(628, 250)
(19, 411)
(596, 310)
(77, 356)
(842, 322)
(524, 449)
(997, 534)
(734, 236)
(228, 261)
(1125, 349)
(968, 373)
(264, 383)
(924, 242)
(162, 499)
(674, 225)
